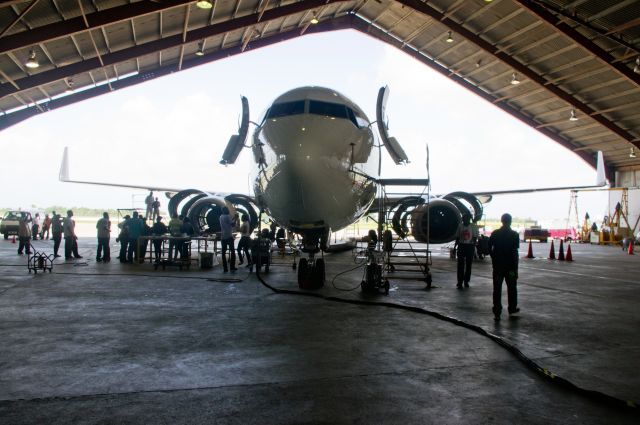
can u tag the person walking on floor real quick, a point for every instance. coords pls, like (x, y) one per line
(245, 241)
(135, 230)
(56, 233)
(503, 248)
(35, 229)
(227, 223)
(24, 236)
(466, 241)
(46, 225)
(70, 238)
(104, 233)
(175, 226)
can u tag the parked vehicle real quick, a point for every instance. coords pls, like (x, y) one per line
(10, 222)
(567, 235)
(534, 233)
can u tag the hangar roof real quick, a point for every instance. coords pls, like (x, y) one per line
(577, 61)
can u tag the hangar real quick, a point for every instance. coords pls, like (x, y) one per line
(569, 69)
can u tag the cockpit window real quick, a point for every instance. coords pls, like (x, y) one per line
(286, 109)
(337, 110)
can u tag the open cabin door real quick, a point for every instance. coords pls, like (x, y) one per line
(237, 141)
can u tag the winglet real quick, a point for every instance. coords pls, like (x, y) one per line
(601, 179)
(63, 176)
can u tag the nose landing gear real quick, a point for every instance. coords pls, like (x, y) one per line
(311, 273)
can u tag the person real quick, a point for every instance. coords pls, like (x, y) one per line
(104, 232)
(156, 210)
(46, 225)
(245, 241)
(56, 233)
(149, 203)
(158, 229)
(144, 242)
(24, 236)
(135, 230)
(503, 249)
(123, 238)
(70, 238)
(466, 238)
(175, 224)
(227, 223)
(35, 229)
(186, 230)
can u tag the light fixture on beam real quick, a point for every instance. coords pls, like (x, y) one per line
(636, 69)
(32, 62)
(514, 79)
(573, 116)
(200, 51)
(204, 4)
(69, 86)
(632, 152)
(449, 38)
(314, 20)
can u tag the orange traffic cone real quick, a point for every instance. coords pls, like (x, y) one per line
(630, 248)
(552, 252)
(569, 257)
(14, 239)
(530, 253)
(561, 252)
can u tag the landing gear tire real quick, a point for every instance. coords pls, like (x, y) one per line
(386, 287)
(319, 272)
(303, 266)
(6, 236)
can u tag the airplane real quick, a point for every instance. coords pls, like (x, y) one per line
(317, 168)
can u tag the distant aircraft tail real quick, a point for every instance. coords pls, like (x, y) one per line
(63, 176)
(601, 179)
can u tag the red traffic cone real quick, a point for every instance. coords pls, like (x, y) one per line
(14, 239)
(552, 252)
(561, 252)
(530, 253)
(569, 257)
(630, 248)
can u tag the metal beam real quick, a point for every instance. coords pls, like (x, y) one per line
(177, 40)
(95, 20)
(8, 120)
(517, 66)
(581, 40)
(364, 27)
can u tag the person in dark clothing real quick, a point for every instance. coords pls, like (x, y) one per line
(56, 233)
(503, 248)
(24, 236)
(158, 229)
(144, 242)
(187, 230)
(70, 237)
(123, 238)
(135, 230)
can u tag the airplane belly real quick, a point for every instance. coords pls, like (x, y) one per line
(305, 194)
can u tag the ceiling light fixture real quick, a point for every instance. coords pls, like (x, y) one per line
(69, 85)
(636, 69)
(573, 116)
(449, 38)
(32, 62)
(314, 20)
(204, 4)
(514, 79)
(632, 152)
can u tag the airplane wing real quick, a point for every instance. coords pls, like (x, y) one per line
(63, 176)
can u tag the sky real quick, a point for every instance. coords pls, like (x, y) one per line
(172, 131)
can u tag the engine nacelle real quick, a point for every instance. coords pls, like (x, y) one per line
(436, 222)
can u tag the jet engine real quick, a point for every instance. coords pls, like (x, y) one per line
(436, 221)
(204, 209)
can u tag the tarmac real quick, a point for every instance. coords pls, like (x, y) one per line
(112, 343)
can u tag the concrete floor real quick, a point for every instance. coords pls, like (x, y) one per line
(113, 343)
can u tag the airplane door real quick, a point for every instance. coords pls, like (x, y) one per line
(237, 141)
(393, 146)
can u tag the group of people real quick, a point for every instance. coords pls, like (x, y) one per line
(60, 227)
(503, 249)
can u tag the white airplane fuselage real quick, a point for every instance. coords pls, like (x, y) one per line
(316, 160)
